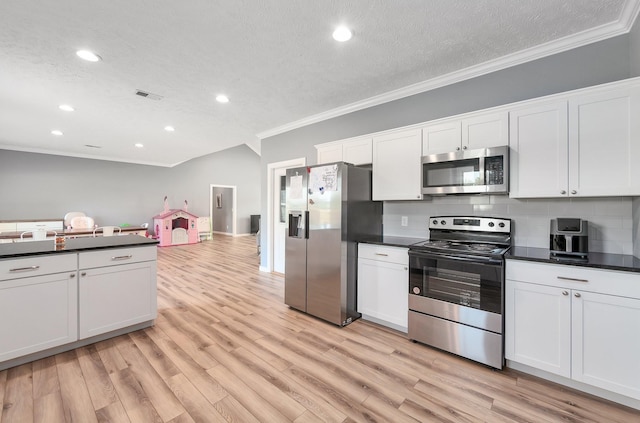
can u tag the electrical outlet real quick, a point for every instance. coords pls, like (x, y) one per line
(404, 221)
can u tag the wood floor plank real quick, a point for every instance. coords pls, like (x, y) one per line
(18, 395)
(193, 401)
(99, 385)
(48, 408)
(134, 400)
(45, 377)
(226, 347)
(160, 395)
(73, 387)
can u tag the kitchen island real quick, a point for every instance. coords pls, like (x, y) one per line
(56, 297)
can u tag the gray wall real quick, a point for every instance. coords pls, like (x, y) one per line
(34, 186)
(634, 48)
(594, 64)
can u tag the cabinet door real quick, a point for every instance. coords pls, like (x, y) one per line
(38, 313)
(397, 166)
(604, 151)
(539, 151)
(383, 292)
(358, 152)
(329, 153)
(115, 297)
(441, 138)
(606, 343)
(538, 327)
(484, 131)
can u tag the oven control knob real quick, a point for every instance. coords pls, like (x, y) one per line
(416, 290)
(435, 222)
(501, 224)
(443, 222)
(491, 224)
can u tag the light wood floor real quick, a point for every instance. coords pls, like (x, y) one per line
(226, 348)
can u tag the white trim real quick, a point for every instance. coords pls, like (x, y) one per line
(603, 32)
(234, 206)
(271, 167)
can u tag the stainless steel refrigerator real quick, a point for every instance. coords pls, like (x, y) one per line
(329, 209)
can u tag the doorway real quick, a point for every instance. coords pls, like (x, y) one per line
(222, 209)
(276, 213)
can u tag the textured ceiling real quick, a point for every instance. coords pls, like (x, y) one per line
(275, 59)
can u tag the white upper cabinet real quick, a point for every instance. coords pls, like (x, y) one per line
(485, 130)
(442, 138)
(397, 166)
(604, 144)
(357, 151)
(539, 152)
(581, 144)
(473, 132)
(329, 153)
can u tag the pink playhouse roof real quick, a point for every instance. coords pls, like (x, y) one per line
(172, 211)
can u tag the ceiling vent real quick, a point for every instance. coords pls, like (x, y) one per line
(92, 146)
(149, 95)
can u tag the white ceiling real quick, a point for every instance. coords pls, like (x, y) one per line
(275, 59)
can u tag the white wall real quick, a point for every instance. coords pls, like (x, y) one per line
(610, 219)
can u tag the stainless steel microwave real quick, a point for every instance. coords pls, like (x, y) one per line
(481, 171)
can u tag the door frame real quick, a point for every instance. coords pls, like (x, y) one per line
(233, 210)
(271, 167)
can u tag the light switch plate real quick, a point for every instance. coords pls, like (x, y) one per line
(404, 221)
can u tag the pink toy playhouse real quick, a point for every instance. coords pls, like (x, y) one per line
(175, 227)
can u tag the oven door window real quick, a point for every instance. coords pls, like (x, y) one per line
(459, 282)
(452, 174)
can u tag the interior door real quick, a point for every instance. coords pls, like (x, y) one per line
(280, 219)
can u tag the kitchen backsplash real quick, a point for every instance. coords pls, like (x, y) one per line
(612, 221)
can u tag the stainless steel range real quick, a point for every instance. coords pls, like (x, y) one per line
(456, 287)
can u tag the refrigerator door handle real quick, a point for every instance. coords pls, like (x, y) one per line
(306, 224)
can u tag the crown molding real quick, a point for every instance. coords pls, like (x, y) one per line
(620, 27)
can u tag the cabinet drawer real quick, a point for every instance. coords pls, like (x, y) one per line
(112, 257)
(38, 265)
(384, 253)
(624, 284)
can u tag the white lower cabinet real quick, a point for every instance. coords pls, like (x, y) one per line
(37, 312)
(114, 295)
(383, 285)
(575, 322)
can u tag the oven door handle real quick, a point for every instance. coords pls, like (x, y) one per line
(474, 259)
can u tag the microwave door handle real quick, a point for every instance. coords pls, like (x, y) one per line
(306, 224)
(483, 171)
(568, 247)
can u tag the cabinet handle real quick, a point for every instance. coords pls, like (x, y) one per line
(577, 295)
(73, 275)
(573, 191)
(565, 293)
(418, 196)
(25, 269)
(380, 254)
(563, 192)
(83, 274)
(572, 279)
(457, 148)
(464, 148)
(122, 257)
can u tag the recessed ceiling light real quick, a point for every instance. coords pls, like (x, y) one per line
(139, 145)
(56, 132)
(342, 33)
(222, 98)
(66, 108)
(169, 128)
(88, 55)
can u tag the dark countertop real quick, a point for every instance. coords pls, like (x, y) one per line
(622, 262)
(392, 241)
(31, 248)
